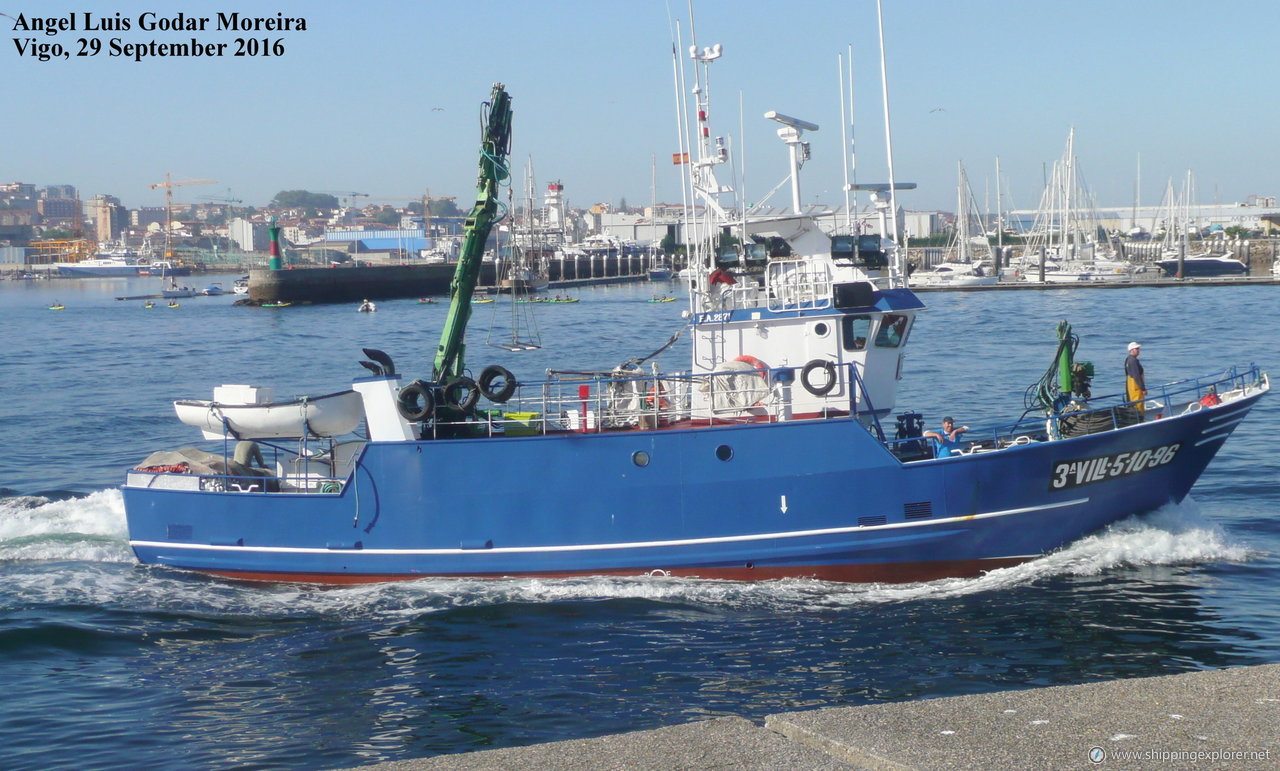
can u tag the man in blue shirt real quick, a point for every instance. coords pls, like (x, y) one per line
(946, 441)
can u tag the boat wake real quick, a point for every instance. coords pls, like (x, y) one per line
(1176, 534)
(40, 536)
(85, 529)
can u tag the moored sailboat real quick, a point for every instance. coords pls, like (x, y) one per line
(961, 266)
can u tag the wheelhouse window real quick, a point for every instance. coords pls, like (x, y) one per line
(893, 330)
(854, 332)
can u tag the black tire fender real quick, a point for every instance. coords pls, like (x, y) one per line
(463, 393)
(496, 374)
(415, 402)
(829, 372)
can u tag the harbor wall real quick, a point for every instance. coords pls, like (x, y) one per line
(336, 285)
(383, 282)
(601, 266)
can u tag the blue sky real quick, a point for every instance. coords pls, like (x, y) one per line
(383, 97)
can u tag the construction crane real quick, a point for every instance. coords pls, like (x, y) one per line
(348, 198)
(221, 199)
(168, 186)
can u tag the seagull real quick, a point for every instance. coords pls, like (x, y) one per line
(437, 109)
(937, 109)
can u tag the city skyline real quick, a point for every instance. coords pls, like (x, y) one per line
(387, 104)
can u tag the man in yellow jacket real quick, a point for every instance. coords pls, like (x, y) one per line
(1135, 382)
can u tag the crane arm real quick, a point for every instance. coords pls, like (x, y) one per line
(494, 148)
(167, 183)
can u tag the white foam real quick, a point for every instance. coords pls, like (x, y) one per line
(91, 529)
(1173, 535)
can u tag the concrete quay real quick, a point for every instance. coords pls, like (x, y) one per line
(1219, 719)
(1259, 280)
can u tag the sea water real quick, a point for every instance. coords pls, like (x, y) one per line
(107, 664)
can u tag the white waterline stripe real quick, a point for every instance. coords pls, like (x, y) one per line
(1228, 424)
(1213, 438)
(608, 546)
(1231, 412)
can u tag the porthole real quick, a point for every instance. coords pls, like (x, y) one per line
(640, 458)
(821, 329)
(724, 452)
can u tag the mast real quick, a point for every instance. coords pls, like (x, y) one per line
(888, 133)
(494, 147)
(999, 213)
(847, 142)
(1137, 192)
(962, 213)
(1068, 240)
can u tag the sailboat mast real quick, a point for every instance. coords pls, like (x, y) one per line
(1137, 192)
(962, 226)
(888, 133)
(999, 212)
(1068, 223)
(847, 156)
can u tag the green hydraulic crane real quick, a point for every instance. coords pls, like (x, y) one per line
(1066, 377)
(494, 148)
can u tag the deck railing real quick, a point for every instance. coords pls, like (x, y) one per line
(1168, 400)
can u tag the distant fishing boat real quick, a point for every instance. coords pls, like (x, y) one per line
(173, 291)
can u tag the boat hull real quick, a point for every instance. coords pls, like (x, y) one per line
(113, 271)
(1204, 266)
(819, 499)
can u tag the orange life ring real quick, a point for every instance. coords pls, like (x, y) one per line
(762, 369)
(656, 395)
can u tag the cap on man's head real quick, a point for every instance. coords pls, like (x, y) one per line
(1134, 346)
(948, 419)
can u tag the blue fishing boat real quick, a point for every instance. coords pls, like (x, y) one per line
(780, 452)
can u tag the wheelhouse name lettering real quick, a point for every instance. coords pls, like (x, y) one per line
(1074, 473)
